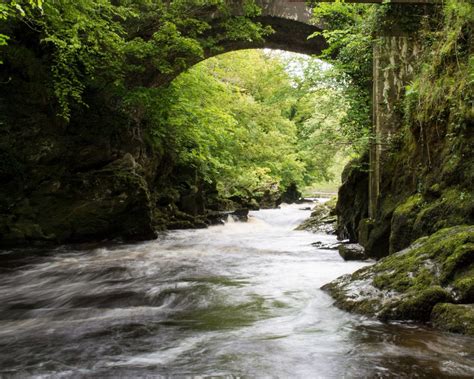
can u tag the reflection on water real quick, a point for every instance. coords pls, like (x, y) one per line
(237, 300)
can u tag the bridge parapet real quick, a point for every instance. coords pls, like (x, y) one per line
(298, 10)
(295, 10)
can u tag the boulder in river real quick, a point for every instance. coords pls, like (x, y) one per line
(352, 252)
(241, 214)
(414, 283)
(322, 219)
(219, 218)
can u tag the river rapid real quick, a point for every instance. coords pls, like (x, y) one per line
(238, 300)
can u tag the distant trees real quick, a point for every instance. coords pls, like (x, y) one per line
(246, 122)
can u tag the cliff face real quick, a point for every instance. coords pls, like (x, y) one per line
(96, 177)
(424, 212)
(417, 197)
(99, 176)
(89, 179)
(421, 176)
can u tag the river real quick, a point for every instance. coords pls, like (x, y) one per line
(238, 300)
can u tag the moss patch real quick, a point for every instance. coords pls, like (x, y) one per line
(454, 207)
(402, 222)
(455, 318)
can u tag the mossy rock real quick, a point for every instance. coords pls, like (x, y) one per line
(403, 219)
(366, 226)
(455, 206)
(454, 318)
(107, 203)
(377, 239)
(417, 307)
(352, 252)
(429, 261)
(407, 285)
(377, 245)
(463, 286)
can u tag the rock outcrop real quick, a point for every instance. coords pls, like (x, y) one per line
(322, 219)
(352, 252)
(352, 199)
(432, 280)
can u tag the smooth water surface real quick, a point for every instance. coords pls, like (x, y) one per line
(239, 300)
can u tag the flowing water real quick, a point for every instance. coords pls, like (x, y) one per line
(238, 300)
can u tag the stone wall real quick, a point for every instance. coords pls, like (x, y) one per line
(394, 58)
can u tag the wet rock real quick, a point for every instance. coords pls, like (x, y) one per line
(243, 202)
(107, 203)
(215, 218)
(366, 226)
(253, 205)
(291, 194)
(241, 214)
(409, 284)
(352, 252)
(219, 218)
(269, 198)
(322, 219)
(185, 224)
(352, 203)
(177, 219)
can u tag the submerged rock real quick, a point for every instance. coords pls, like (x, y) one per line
(409, 284)
(352, 252)
(322, 219)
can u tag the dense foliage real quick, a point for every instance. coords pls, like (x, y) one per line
(441, 96)
(103, 70)
(121, 44)
(248, 122)
(349, 30)
(441, 91)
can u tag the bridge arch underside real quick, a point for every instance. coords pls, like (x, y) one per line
(288, 35)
